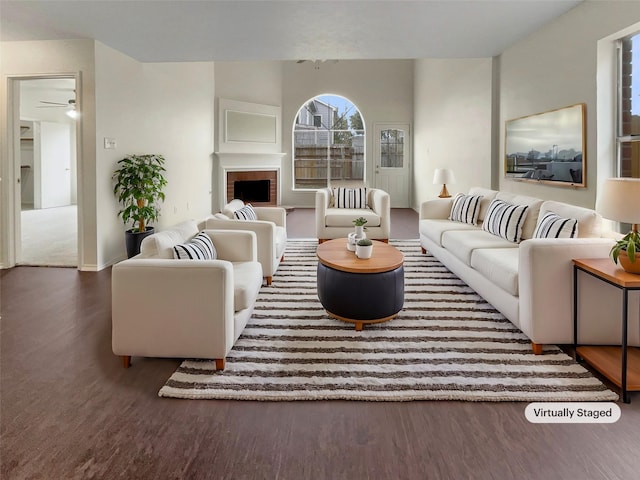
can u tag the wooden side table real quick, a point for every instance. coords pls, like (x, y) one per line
(621, 365)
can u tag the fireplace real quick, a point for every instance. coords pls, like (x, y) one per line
(252, 191)
(257, 187)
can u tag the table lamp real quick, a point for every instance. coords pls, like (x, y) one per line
(443, 176)
(619, 200)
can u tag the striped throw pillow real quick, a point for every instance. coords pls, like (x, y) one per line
(553, 225)
(350, 197)
(465, 208)
(199, 247)
(505, 220)
(246, 213)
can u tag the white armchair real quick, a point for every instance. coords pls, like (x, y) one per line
(164, 307)
(270, 229)
(333, 222)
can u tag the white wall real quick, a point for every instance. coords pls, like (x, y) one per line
(36, 58)
(555, 67)
(381, 89)
(452, 124)
(153, 108)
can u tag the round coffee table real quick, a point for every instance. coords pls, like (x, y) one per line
(360, 291)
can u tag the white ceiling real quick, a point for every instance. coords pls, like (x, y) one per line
(216, 30)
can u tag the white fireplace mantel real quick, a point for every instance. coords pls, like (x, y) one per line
(237, 162)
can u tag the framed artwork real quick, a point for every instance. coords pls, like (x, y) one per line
(547, 147)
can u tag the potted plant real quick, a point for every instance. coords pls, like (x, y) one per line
(627, 250)
(353, 237)
(139, 181)
(364, 248)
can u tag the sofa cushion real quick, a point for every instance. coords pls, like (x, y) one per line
(434, 228)
(247, 280)
(589, 221)
(465, 208)
(551, 225)
(534, 205)
(245, 213)
(487, 195)
(349, 197)
(499, 266)
(160, 244)
(344, 217)
(462, 243)
(505, 220)
(199, 247)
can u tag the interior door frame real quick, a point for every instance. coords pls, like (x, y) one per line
(11, 232)
(408, 158)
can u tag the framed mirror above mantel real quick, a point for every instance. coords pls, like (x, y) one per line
(248, 127)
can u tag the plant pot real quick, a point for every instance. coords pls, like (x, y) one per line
(133, 239)
(627, 265)
(364, 251)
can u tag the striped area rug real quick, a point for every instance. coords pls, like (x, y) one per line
(446, 344)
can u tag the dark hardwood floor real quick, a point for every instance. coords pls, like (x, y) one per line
(70, 411)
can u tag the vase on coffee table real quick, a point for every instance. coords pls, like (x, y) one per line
(354, 237)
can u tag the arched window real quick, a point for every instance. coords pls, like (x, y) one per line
(328, 143)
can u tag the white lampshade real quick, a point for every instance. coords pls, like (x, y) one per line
(619, 200)
(442, 176)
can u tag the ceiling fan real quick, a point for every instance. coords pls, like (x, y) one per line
(317, 63)
(70, 103)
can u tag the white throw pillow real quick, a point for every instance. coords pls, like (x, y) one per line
(505, 220)
(465, 208)
(350, 197)
(553, 225)
(199, 247)
(246, 213)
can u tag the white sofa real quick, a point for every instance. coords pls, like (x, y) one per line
(333, 222)
(531, 282)
(166, 307)
(270, 229)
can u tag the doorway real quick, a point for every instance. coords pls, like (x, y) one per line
(46, 225)
(393, 162)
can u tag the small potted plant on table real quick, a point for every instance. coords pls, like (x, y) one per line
(364, 248)
(627, 251)
(352, 238)
(139, 184)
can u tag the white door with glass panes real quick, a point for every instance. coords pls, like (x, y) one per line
(393, 162)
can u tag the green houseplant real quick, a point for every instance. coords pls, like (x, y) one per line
(627, 251)
(139, 184)
(360, 221)
(364, 248)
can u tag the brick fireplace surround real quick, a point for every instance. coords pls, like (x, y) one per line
(248, 176)
(249, 167)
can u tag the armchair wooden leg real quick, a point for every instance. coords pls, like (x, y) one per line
(537, 348)
(424, 250)
(219, 363)
(126, 361)
(269, 280)
(282, 258)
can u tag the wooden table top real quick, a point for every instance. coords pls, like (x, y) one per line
(605, 268)
(334, 254)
